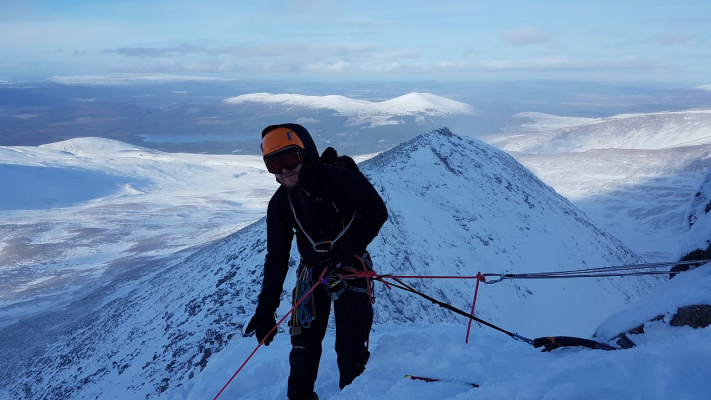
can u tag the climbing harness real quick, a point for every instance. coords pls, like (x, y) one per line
(338, 283)
(325, 246)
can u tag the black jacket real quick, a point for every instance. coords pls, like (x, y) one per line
(324, 202)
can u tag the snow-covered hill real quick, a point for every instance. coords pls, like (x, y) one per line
(359, 112)
(456, 206)
(633, 175)
(77, 214)
(650, 131)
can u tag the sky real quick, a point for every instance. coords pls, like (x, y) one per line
(362, 40)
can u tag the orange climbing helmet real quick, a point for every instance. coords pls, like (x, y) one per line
(278, 139)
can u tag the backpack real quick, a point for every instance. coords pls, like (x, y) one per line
(330, 156)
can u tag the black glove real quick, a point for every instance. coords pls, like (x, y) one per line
(261, 325)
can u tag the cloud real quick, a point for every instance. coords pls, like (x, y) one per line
(338, 66)
(263, 50)
(350, 67)
(156, 51)
(528, 36)
(624, 63)
(669, 38)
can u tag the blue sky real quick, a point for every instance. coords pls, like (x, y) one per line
(360, 40)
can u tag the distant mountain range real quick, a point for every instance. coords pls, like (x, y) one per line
(226, 125)
(420, 105)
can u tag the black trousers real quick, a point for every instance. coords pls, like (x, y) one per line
(354, 319)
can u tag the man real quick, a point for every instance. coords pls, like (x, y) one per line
(335, 213)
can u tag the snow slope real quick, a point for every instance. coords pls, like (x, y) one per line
(456, 206)
(687, 289)
(633, 175)
(362, 111)
(78, 213)
(698, 220)
(640, 196)
(540, 122)
(671, 364)
(650, 131)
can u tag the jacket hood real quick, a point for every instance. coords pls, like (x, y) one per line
(311, 157)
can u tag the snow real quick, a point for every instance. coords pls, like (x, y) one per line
(165, 320)
(456, 205)
(672, 364)
(687, 289)
(77, 212)
(698, 220)
(650, 131)
(362, 111)
(539, 122)
(632, 174)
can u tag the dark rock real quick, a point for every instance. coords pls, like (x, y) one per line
(694, 255)
(697, 316)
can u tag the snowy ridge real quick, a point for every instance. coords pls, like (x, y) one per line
(362, 111)
(456, 206)
(631, 131)
(537, 122)
(95, 146)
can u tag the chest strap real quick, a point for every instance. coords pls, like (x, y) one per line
(321, 247)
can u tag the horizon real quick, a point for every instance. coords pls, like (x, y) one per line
(355, 42)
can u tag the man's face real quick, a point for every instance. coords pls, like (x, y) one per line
(289, 178)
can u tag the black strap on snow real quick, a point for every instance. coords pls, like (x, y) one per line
(450, 307)
(550, 343)
(553, 342)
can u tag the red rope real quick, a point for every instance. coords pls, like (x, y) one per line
(364, 274)
(270, 332)
(477, 277)
(480, 278)
(367, 275)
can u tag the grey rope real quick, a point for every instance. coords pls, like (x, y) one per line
(603, 272)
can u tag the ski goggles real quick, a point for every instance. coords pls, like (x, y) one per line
(288, 158)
